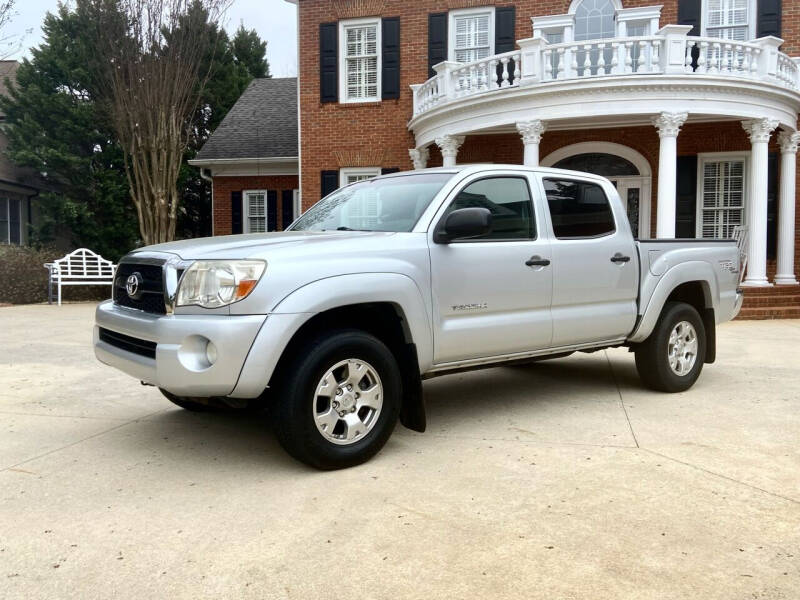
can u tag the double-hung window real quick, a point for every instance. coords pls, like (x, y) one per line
(721, 196)
(255, 211)
(471, 34)
(730, 19)
(10, 221)
(363, 215)
(360, 66)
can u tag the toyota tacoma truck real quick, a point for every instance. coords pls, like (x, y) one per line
(333, 324)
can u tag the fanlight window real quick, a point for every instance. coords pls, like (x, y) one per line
(599, 163)
(594, 20)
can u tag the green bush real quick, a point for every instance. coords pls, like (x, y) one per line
(23, 279)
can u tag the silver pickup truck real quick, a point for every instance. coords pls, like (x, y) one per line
(333, 324)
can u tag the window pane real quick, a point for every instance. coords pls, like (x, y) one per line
(14, 218)
(361, 61)
(256, 213)
(578, 209)
(3, 221)
(509, 201)
(722, 206)
(599, 163)
(594, 19)
(472, 37)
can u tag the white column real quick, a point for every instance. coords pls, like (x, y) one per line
(531, 132)
(788, 141)
(419, 157)
(668, 125)
(759, 131)
(449, 145)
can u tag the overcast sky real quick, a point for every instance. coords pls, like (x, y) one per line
(274, 20)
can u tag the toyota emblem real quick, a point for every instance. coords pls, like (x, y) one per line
(133, 286)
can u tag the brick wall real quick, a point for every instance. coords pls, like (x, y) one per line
(223, 186)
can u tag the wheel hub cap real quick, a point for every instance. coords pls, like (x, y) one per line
(348, 401)
(682, 348)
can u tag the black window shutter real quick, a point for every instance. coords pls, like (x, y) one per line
(329, 182)
(772, 204)
(689, 14)
(389, 170)
(236, 212)
(769, 18)
(504, 38)
(686, 197)
(390, 58)
(287, 208)
(437, 40)
(328, 62)
(272, 210)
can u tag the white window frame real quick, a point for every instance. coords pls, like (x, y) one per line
(343, 26)
(468, 12)
(246, 210)
(752, 19)
(8, 202)
(297, 205)
(705, 157)
(366, 172)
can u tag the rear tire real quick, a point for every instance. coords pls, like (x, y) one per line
(671, 359)
(338, 399)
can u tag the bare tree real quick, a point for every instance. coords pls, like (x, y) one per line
(10, 44)
(153, 79)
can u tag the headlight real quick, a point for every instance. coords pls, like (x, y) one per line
(215, 283)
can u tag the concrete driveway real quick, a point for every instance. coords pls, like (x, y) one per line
(563, 480)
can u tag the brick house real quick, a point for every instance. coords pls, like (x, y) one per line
(252, 159)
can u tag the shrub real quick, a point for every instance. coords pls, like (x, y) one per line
(23, 279)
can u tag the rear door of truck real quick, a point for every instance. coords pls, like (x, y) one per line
(595, 261)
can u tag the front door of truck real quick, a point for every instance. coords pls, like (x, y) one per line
(595, 282)
(491, 295)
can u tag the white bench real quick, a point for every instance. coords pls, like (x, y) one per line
(81, 267)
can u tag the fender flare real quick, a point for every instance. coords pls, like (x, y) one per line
(679, 274)
(295, 309)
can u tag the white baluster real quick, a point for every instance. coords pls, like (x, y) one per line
(754, 62)
(702, 59)
(517, 67)
(614, 58)
(628, 57)
(640, 60)
(601, 59)
(504, 62)
(574, 64)
(655, 56)
(587, 60)
(728, 60)
(562, 64)
(548, 64)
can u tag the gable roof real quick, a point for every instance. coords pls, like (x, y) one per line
(262, 124)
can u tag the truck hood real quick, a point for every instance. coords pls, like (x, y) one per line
(260, 245)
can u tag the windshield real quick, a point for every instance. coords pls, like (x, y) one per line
(391, 204)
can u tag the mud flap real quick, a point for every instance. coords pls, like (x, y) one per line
(412, 412)
(711, 334)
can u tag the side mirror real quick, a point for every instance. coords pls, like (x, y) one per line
(463, 223)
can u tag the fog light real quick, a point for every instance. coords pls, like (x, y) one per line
(211, 353)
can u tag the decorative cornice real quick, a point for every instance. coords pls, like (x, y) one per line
(759, 130)
(449, 144)
(419, 157)
(788, 141)
(531, 131)
(669, 124)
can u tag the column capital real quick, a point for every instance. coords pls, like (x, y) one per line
(531, 131)
(419, 156)
(449, 145)
(759, 130)
(669, 123)
(788, 141)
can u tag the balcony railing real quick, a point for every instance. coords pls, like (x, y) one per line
(670, 52)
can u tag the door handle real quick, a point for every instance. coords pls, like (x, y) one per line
(618, 258)
(537, 261)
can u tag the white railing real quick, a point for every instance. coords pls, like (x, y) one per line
(670, 52)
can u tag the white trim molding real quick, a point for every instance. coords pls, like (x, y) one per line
(246, 210)
(249, 167)
(361, 173)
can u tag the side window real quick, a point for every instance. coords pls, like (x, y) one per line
(509, 201)
(578, 209)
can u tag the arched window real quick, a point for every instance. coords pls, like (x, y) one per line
(594, 20)
(599, 163)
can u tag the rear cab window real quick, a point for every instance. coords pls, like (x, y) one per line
(578, 209)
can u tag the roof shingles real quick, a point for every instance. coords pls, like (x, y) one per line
(262, 124)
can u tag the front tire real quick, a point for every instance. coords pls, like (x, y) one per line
(338, 400)
(671, 359)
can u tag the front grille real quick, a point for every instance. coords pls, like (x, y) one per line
(152, 298)
(128, 343)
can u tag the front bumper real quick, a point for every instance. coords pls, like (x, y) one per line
(180, 365)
